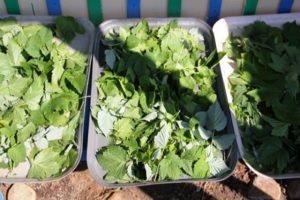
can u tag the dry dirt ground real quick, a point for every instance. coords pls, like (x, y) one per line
(242, 185)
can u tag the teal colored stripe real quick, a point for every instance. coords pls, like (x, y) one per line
(95, 11)
(174, 8)
(250, 7)
(12, 7)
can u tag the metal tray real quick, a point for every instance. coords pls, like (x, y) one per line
(83, 43)
(97, 141)
(234, 25)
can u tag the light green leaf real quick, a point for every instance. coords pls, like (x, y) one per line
(113, 160)
(170, 167)
(215, 161)
(69, 132)
(105, 121)
(151, 116)
(34, 93)
(19, 86)
(17, 154)
(6, 64)
(201, 167)
(162, 137)
(14, 52)
(187, 82)
(149, 173)
(45, 164)
(26, 132)
(58, 70)
(123, 128)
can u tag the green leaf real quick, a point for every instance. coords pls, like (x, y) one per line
(217, 165)
(170, 167)
(70, 159)
(67, 27)
(26, 132)
(123, 127)
(151, 116)
(34, 93)
(292, 83)
(37, 117)
(283, 160)
(76, 78)
(216, 119)
(202, 118)
(113, 160)
(269, 150)
(33, 46)
(19, 86)
(105, 122)
(162, 137)
(69, 132)
(279, 128)
(205, 134)
(223, 142)
(110, 58)
(58, 70)
(187, 82)
(188, 157)
(58, 109)
(6, 64)
(279, 63)
(45, 164)
(201, 167)
(14, 52)
(17, 154)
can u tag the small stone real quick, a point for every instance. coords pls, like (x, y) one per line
(21, 191)
(120, 195)
(265, 188)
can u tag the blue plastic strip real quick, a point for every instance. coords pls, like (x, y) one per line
(285, 6)
(53, 7)
(86, 119)
(133, 8)
(214, 11)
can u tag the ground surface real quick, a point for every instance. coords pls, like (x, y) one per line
(242, 185)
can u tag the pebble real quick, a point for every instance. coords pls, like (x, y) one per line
(120, 195)
(265, 188)
(21, 191)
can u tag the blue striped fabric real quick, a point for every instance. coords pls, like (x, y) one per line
(133, 8)
(285, 6)
(53, 7)
(214, 11)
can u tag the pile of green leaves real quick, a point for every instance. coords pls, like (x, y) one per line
(157, 106)
(41, 84)
(266, 94)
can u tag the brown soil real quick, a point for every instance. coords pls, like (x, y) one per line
(79, 185)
